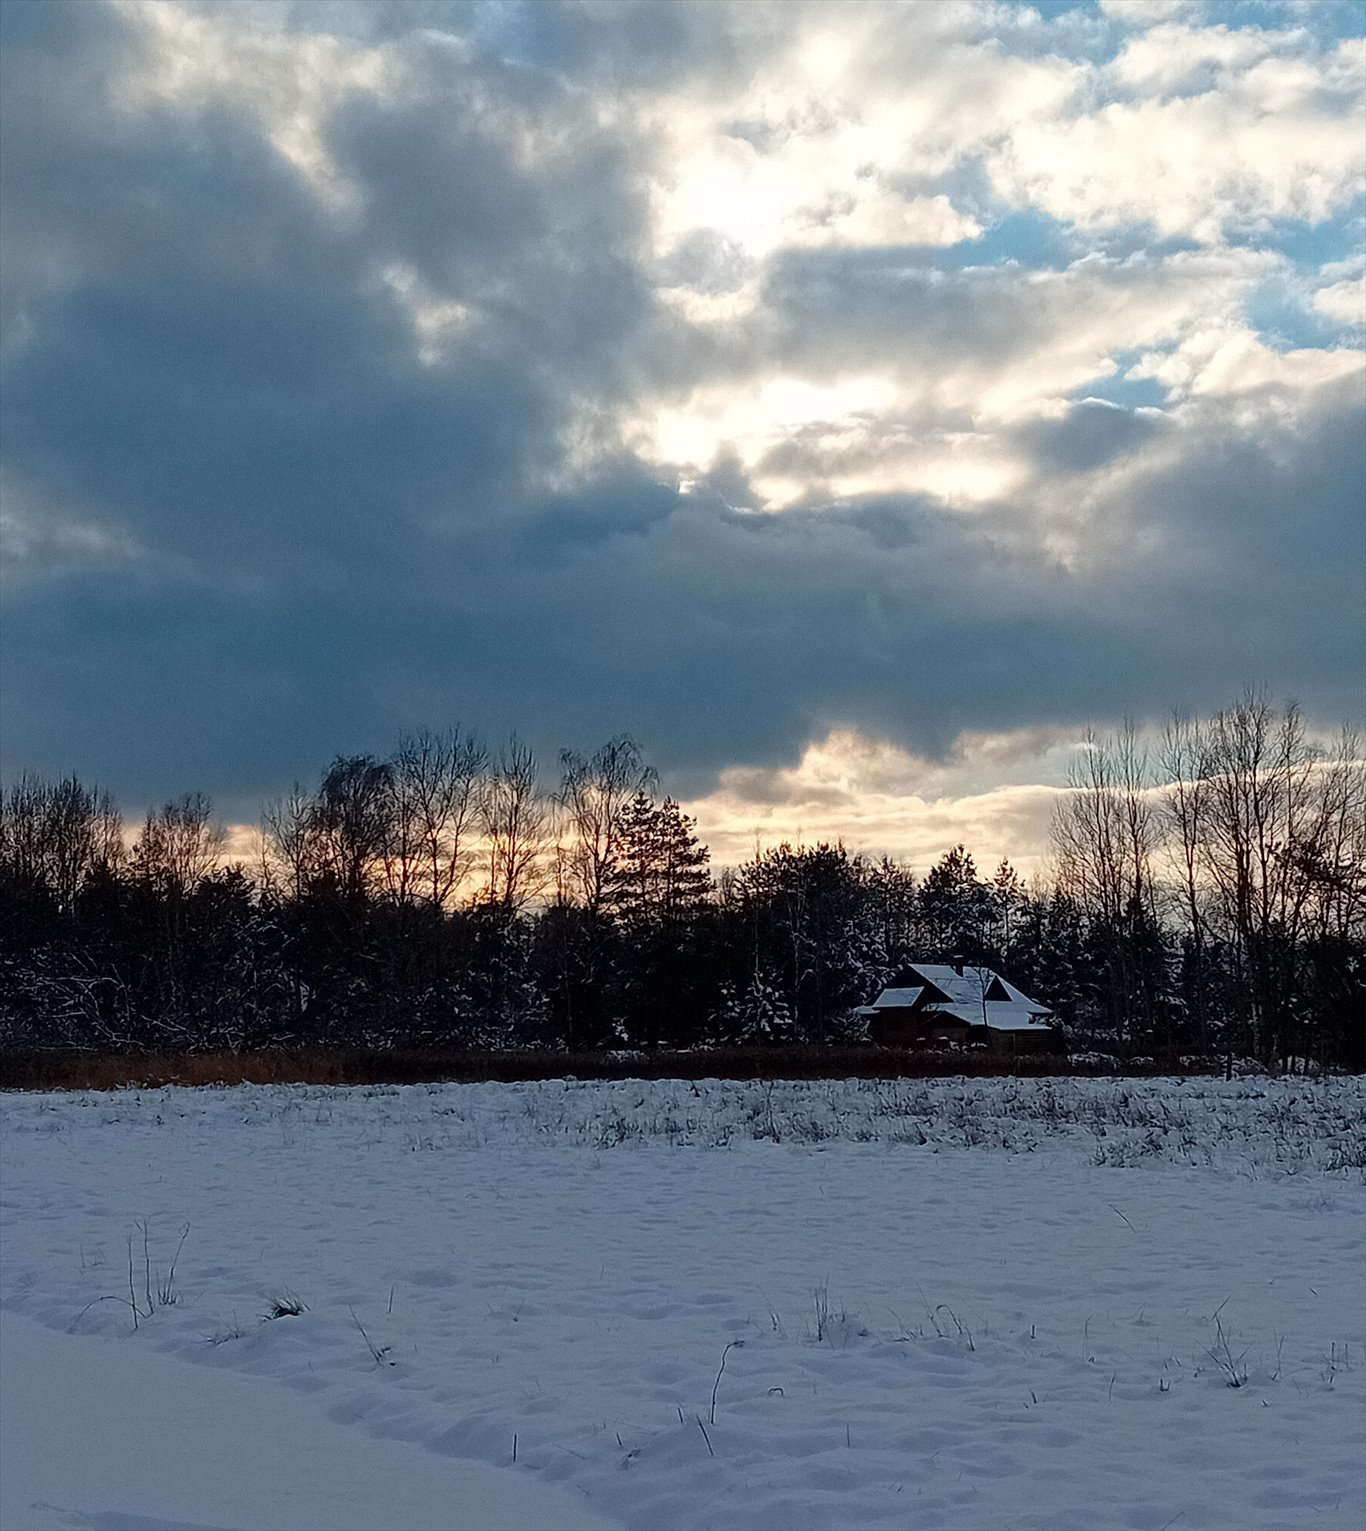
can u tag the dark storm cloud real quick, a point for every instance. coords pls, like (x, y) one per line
(1249, 559)
(228, 377)
(252, 527)
(1091, 434)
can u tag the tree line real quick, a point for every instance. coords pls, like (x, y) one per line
(1207, 897)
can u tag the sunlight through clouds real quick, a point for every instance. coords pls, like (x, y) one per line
(761, 379)
(878, 798)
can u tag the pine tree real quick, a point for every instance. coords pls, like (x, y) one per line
(657, 890)
(758, 1017)
(1008, 899)
(956, 907)
(659, 872)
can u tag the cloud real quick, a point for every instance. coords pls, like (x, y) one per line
(1089, 435)
(369, 366)
(1344, 302)
(1280, 138)
(856, 377)
(884, 801)
(1172, 59)
(1147, 12)
(1229, 360)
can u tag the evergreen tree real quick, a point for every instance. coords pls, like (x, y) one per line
(758, 1016)
(956, 909)
(813, 925)
(892, 911)
(659, 872)
(1048, 958)
(658, 890)
(576, 960)
(1008, 898)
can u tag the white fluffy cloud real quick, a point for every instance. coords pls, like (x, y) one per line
(1343, 301)
(1174, 59)
(1228, 360)
(1283, 138)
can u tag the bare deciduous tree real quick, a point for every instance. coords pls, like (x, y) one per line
(288, 852)
(180, 844)
(438, 782)
(1105, 841)
(517, 824)
(1281, 841)
(1334, 859)
(594, 794)
(351, 822)
(1184, 759)
(1103, 831)
(58, 833)
(1264, 833)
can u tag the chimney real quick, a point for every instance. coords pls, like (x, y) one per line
(958, 966)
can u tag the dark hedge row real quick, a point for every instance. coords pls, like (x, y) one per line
(68, 1071)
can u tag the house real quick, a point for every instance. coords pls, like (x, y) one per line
(958, 1004)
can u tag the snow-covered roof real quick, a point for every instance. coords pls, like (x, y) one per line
(967, 988)
(952, 1013)
(1001, 1017)
(965, 992)
(1018, 997)
(894, 999)
(971, 1014)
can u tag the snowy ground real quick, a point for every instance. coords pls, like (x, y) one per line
(948, 1304)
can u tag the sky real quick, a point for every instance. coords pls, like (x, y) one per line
(850, 402)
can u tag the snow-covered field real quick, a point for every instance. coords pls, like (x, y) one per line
(968, 1304)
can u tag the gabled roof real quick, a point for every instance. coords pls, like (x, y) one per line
(1003, 1017)
(1000, 1017)
(964, 995)
(891, 999)
(1018, 997)
(965, 988)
